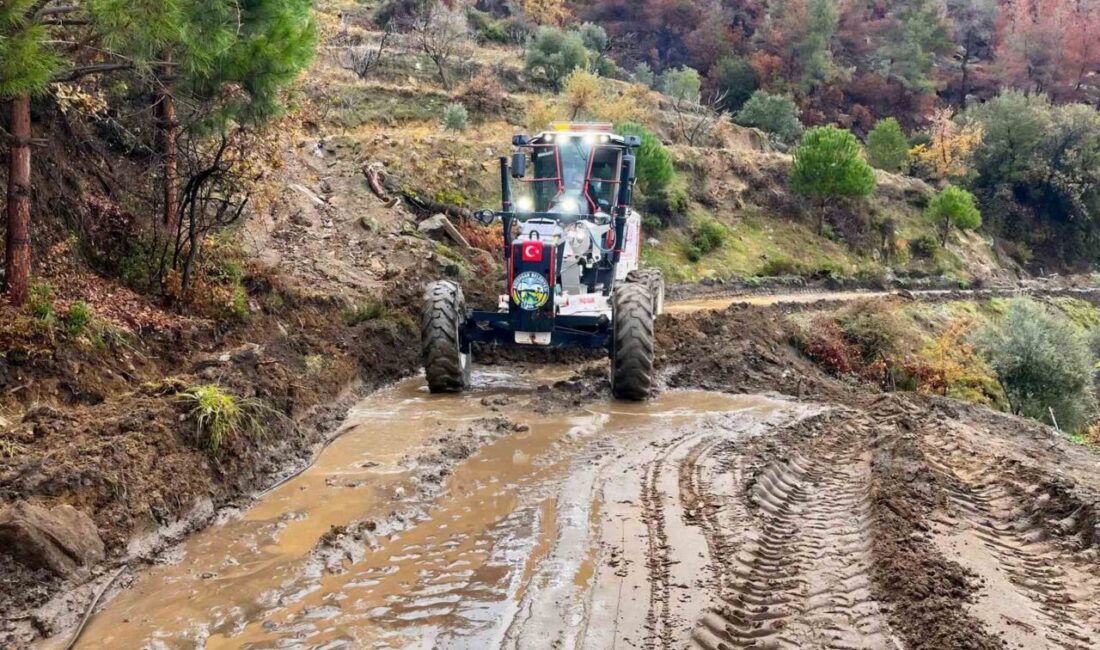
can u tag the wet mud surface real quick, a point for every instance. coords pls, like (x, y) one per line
(535, 512)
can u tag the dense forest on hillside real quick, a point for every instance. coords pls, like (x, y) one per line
(995, 98)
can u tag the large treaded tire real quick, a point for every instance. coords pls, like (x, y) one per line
(654, 279)
(632, 342)
(445, 366)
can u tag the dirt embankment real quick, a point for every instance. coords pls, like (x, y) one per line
(105, 430)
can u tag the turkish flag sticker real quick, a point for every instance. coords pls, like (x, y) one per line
(532, 252)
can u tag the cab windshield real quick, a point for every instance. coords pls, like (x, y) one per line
(575, 176)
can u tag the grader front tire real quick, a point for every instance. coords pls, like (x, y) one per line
(632, 342)
(445, 366)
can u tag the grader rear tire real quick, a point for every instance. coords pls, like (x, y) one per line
(654, 280)
(632, 342)
(445, 365)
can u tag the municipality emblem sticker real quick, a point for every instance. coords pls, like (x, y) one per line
(530, 291)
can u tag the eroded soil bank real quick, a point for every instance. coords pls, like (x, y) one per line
(535, 512)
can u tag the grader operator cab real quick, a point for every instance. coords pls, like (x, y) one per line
(572, 245)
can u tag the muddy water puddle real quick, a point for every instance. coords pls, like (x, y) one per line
(535, 537)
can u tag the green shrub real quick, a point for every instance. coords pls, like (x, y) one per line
(486, 29)
(652, 223)
(692, 252)
(776, 115)
(709, 236)
(887, 147)
(682, 84)
(778, 266)
(455, 117)
(643, 74)
(1043, 362)
(219, 416)
(594, 37)
(736, 81)
(923, 247)
(78, 318)
(40, 301)
(654, 163)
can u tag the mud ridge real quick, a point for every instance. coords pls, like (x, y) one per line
(928, 593)
(1007, 531)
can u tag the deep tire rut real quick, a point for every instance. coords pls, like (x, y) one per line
(791, 551)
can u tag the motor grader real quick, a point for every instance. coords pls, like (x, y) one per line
(572, 244)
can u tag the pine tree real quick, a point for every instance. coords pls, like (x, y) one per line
(26, 67)
(953, 206)
(814, 50)
(197, 47)
(918, 34)
(828, 164)
(32, 35)
(887, 147)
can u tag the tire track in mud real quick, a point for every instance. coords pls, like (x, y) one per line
(791, 548)
(659, 625)
(1033, 586)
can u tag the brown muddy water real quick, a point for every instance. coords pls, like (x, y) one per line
(553, 532)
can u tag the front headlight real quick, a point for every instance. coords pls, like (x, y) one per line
(569, 205)
(525, 204)
(580, 242)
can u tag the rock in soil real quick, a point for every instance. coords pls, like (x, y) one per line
(61, 539)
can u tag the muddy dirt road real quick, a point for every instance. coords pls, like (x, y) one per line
(534, 512)
(564, 524)
(507, 518)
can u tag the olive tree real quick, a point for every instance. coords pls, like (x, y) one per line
(1042, 362)
(776, 115)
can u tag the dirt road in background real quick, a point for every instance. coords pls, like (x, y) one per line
(535, 512)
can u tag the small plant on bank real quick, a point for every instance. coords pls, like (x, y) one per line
(315, 363)
(709, 236)
(455, 117)
(779, 266)
(78, 318)
(220, 416)
(923, 247)
(367, 310)
(40, 302)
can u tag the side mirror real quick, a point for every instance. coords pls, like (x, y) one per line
(485, 217)
(633, 140)
(630, 164)
(519, 164)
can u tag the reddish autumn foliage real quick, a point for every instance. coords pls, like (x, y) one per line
(963, 54)
(489, 239)
(825, 344)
